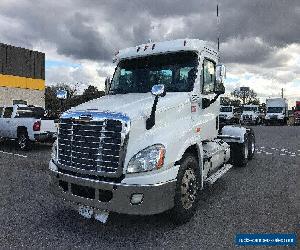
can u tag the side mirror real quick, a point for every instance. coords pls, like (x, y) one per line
(220, 77)
(62, 94)
(158, 90)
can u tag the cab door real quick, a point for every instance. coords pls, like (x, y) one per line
(6, 129)
(205, 115)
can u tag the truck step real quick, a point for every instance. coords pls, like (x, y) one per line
(212, 179)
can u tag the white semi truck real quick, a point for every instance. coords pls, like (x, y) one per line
(277, 111)
(228, 116)
(153, 144)
(251, 115)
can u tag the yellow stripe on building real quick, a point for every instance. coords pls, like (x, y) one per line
(21, 82)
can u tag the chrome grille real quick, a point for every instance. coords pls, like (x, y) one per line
(93, 147)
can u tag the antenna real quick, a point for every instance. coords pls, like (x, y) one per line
(218, 30)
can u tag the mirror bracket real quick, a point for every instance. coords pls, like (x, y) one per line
(158, 91)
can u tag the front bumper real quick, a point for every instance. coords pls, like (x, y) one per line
(274, 120)
(223, 120)
(115, 197)
(248, 121)
(297, 120)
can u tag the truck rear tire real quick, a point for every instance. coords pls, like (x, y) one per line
(240, 153)
(23, 141)
(251, 144)
(187, 190)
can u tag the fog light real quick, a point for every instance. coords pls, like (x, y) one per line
(136, 199)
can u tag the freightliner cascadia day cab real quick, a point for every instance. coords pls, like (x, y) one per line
(251, 115)
(153, 143)
(228, 116)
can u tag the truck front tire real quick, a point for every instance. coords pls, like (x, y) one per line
(187, 190)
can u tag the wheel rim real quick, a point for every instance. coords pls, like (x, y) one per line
(252, 147)
(22, 141)
(188, 188)
(246, 151)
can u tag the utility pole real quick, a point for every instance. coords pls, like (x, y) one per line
(282, 93)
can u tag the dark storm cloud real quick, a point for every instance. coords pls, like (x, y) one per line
(83, 41)
(93, 29)
(248, 50)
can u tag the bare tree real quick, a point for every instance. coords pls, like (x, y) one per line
(245, 95)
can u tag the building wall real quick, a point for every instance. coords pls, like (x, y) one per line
(22, 75)
(33, 97)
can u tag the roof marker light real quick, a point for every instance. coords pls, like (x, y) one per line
(153, 46)
(138, 49)
(184, 43)
(146, 46)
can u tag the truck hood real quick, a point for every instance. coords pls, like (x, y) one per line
(134, 105)
(248, 113)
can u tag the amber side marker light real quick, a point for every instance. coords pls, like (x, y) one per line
(161, 158)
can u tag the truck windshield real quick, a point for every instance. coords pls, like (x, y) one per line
(250, 109)
(297, 108)
(226, 109)
(274, 110)
(30, 112)
(177, 71)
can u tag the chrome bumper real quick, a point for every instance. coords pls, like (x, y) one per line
(115, 197)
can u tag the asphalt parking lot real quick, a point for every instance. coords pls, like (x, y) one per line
(261, 198)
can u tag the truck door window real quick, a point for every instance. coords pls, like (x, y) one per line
(8, 112)
(209, 76)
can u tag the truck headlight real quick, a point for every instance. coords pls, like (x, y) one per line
(148, 159)
(54, 151)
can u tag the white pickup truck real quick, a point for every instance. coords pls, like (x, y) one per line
(153, 143)
(26, 124)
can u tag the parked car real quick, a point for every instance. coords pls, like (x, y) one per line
(26, 124)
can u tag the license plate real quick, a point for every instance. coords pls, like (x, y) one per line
(86, 212)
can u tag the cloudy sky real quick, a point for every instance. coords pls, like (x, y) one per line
(260, 38)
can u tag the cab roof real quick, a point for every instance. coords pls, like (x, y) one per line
(153, 48)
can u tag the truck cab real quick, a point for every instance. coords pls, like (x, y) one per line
(297, 113)
(251, 115)
(153, 143)
(228, 115)
(277, 111)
